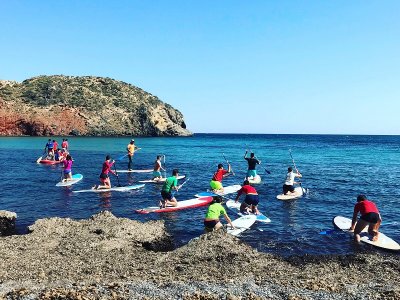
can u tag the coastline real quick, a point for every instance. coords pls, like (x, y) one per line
(110, 257)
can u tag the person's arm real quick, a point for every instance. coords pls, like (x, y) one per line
(229, 221)
(245, 155)
(354, 220)
(238, 195)
(229, 168)
(298, 174)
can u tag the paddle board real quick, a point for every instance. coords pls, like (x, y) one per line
(241, 224)
(117, 189)
(160, 180)
(75, 178)
(50, 162)
(135, 171)
(383, 241)
(227, 190)
(235, 207)
(254, 180)
(185, 204)
(299, 191)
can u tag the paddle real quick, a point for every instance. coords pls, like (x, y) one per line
(233, 173)
(40, 158)
(116, 173)
(294, 164)
(123, 156)
(247, 149)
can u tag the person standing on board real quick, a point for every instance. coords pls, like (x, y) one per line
(216, 181)
(252, 162)
(214, 211)
(131, 148)
(55, 146)
(49, 149)
(171, 183)
(289, 182)
(67, 168)
(104, 179)
(369, 217)
(157, 168)
(251, 201)
(64, 145)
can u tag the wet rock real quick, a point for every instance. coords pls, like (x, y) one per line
(7, 222)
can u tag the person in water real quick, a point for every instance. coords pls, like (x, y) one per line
(131, 148)
(157, 169)
(104, 179)
(370, 217)
(49, 149)
(289, 182)
(171, 183)
(67, 164)
(252, 162)
(216, 181)
(214, 211)
(251, 200)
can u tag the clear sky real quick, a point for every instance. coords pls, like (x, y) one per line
(228, 66)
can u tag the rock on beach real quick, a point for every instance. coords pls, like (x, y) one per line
(117, 258)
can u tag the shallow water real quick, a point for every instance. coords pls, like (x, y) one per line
(335, 170)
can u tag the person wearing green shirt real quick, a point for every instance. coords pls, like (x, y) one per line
(214, 211)
(171, 183)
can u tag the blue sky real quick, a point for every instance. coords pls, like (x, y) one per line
(229, 66)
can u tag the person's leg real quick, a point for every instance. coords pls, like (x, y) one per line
(218, 226)
(130, 162)
(243, 208)
(361, 224)
(172, 202)
(373, 230)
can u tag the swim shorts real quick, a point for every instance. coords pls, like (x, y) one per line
(371, 217)
(215, 185)
(251, 200)
(166, 195)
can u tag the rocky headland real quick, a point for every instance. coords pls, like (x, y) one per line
(84, 106)
(106, 257)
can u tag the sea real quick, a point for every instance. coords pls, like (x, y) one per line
(335, 168)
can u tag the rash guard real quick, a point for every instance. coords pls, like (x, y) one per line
(365, 207)
(219, 175)
(247, 189)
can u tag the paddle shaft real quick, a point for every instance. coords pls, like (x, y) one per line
(116, 173)
(233, 173)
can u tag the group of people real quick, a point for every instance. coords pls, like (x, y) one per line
(370, 215)
(53, 152)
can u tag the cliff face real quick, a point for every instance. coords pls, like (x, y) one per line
(67, 105)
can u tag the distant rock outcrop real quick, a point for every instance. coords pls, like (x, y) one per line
(68, 105)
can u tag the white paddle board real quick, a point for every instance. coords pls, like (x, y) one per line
(160, 180)
(135, 171)
(241, 224)
(383, 241)
(298, 192)
(227, 190)
(185, 204)
(235, 208)
(75, 178)
(254, 180)
(117, 189)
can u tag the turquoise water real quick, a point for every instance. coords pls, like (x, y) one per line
(335, 169)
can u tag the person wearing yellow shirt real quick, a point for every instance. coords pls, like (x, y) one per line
(131, 148)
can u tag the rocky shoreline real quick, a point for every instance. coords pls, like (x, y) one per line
(106, 257)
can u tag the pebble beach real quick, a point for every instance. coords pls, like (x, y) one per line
(105, 257)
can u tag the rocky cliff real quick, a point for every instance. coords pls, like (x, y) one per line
(68, 105)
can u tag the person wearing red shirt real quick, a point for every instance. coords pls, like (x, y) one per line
(104, 179)
(369, 217)
(251, 201)
(216, 181)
